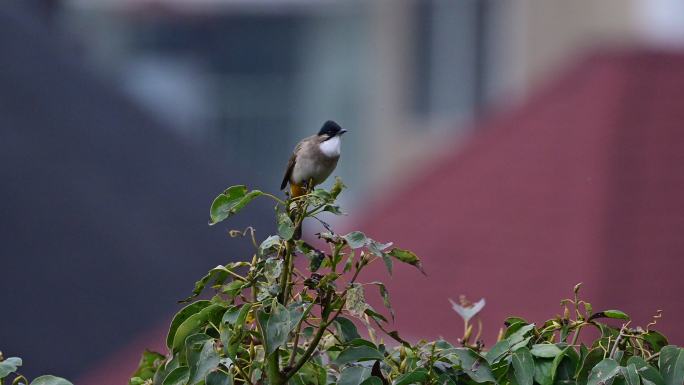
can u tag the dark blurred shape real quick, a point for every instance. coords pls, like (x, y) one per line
(103, 212)
(583, 183)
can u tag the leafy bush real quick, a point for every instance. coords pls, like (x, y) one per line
(9, 371)
(270, 323)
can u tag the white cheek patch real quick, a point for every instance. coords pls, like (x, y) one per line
(331, 147)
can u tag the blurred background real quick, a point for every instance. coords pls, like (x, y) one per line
(518, 146)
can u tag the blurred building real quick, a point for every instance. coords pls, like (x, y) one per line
(582, 183)
(402, 75)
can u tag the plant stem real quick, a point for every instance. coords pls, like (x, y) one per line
(314, 342)
(577, 332)
(285, 276)
(275, 377)
(298, 329)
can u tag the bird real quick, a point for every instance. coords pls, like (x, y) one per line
(313, 160)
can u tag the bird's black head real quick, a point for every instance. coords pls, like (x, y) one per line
(331, 129)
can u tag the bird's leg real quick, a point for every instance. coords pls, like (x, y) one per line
(309, 186)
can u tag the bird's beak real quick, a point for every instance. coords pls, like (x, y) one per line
(342, 131)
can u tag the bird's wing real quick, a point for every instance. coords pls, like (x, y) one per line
(290, 166)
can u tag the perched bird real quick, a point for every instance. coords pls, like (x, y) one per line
(313, 159)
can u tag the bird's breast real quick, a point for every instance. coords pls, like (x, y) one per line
(331, 147)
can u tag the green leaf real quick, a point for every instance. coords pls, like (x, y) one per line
(630, 375)
(615, 314)
(545, 350)
(269, 244)
(590, 360)
(277, 327)
(149, 363)
(603, 372)
(565, 365)
(372, 380)
(181, 316)
(231, 201)
(237, 316)
(195, 323)
(337, 188)
(474, 365)
(655, 340)
(497, 352)
(204, 359)
(543, 371)
(671, 364)
(523, 366)
(50, 380)
(646, 371)
(356, 239)
(217, 274)
(218, 378)
(385, 297)
(354, 375)
(178, 376)
(273, 267)
(222, 204)
(9, 365)
(358, 354)
(346, 329)
(406, 256)
(286, 227)
(356, 300)
(418, 376)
